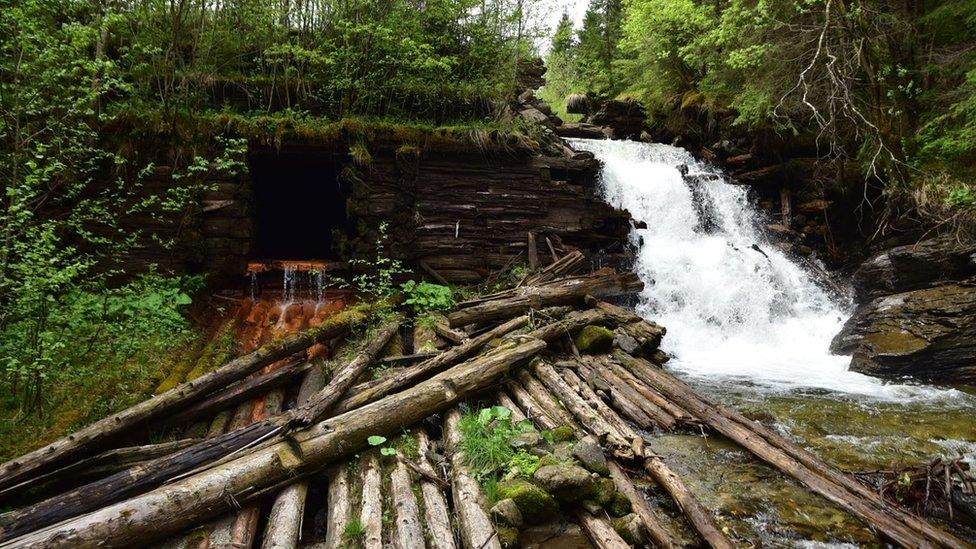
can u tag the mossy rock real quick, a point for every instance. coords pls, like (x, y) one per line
(603, 491)
(629, 527)
(507, 536)
(535, 504)
(563, 433)
(594, 340)
(618, 505)
(567, 482)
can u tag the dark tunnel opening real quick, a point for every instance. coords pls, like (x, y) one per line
(299, 202)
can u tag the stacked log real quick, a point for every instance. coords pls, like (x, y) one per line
(539, 375)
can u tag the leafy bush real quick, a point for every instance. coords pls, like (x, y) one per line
(962, 197)
(425, 297)
(486, 440)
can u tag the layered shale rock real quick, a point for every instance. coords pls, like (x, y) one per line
(928, 334)
(915, 266)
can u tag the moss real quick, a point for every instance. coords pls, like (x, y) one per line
(507, 536)
(594, 340)
(563, 433)
(535, 504)
(603, 491)
(618, 505)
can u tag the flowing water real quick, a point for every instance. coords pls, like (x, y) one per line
(751, 326)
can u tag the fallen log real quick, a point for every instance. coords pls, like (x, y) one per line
(436, 515)
(599, 531)
(453, 336)
(94, 436)
(655, 530)
(371, 505)
(322, 402)
(338, 506)
(699, 517)
(171, 508)
(370, 391)
(566, 292)
(407, 532)
(245, 526)
(896, 524)
(285, 519)
(477, 531)
(239, 392)
(626, 397)
(545, 400)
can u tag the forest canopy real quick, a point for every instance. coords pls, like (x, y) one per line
(891, 84)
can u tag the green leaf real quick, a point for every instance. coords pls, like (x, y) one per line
(376, 440)
(501, 412)
(387, 451)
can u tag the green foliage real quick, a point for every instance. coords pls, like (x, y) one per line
(523, 464)
(377, 274)
(353, 532)
(486, 441)
(376, 440)
(962, 197)
(425, 297)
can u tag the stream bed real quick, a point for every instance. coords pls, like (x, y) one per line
(751, 326)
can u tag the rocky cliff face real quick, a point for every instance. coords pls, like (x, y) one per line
(918, 316)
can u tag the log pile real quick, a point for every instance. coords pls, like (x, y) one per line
(386, 456)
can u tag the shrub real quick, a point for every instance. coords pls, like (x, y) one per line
(425, 297)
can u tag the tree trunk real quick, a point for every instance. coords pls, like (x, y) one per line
(600, 532)
(94, 436)
(322, 402)
(477, 531)
(370, 391)
(285, 520)
(338, 507)
(408, 532)
(371, 506)
(656, 532)
(185, 502)
(436, 515)
(565, 292)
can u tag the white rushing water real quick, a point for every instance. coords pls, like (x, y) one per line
(736, 307)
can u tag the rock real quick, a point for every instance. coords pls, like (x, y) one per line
(590, 455)
(619, 505)
(563, 451)
(534, 115)
(629, 527)
(506, 512)
(534, 503)
(626, 343)
(526, 440)
(915, 266)
(625, 117)
(603, 490)
(929, 334)
(594, 340)
(659, 357)
(567, 483)
(507, 536)
(592, 506)
(582, 130)
(554, 535)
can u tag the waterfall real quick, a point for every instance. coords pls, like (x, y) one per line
(736, 308)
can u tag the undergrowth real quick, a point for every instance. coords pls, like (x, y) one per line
(486, 441)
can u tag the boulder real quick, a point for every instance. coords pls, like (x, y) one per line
(629, 527)
(625, 117)
(566, 482)
(626, 343)
(915, 266)
(527, 439)
(506, 512)
(594, 340)
(534, 504)
(929, 334)
(590, 455)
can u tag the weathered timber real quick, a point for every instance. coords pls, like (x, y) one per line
(587, 416)
(224, 531)
(655, 530)
(626, 397)
(436, 515)
(285, 519)
(477, 531)
(400, 360)
(319, 404)
(94, 435)
(651, 396)
(564, 292)
(545, 400)
(371, 505)
(599, 531)
(239, 392)
(188, 501)
(453, 336)
(533, 252)
(699, 517)
(245, 527)
(567, 265)
(896, 524)
(368, 392)
(338, 507)
(408, 532)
